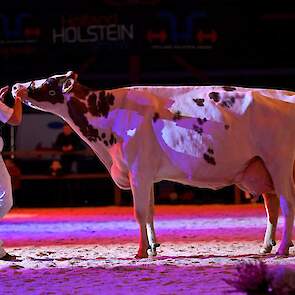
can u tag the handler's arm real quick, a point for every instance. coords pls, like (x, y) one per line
(16, 116)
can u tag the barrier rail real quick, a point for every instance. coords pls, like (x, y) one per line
(53, 154)
(76, 176)
(36, 154)
(39, 154)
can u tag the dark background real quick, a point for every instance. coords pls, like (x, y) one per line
(114, 43)
(172, 42)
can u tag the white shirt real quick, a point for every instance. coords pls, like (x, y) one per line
(5, 112)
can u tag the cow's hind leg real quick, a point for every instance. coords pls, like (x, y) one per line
(152, 251)
(287, 209)
(272, 205)
(284, 187)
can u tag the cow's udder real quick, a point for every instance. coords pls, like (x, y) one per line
(255, 178)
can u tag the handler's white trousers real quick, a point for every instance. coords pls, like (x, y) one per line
(6, 200)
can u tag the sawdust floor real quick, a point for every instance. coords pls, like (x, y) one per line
(91, 250)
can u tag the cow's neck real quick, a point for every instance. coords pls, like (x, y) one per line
(92, 115)
(99, 149)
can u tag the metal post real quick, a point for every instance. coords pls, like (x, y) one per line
(118, 195)
(237, 195)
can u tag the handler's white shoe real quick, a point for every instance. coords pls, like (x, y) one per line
(4, 256)
(8, 257)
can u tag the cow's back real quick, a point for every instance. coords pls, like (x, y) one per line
(217, 131)
(198, 130)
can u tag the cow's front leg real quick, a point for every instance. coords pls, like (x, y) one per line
(288, 213)
(152, 251)
(272, 205)
(141, 198)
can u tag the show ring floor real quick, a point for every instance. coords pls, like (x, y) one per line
(91, 250)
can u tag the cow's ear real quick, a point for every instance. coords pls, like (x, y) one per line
(67, 85)
(71, 74)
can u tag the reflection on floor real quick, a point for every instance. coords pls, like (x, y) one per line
(91, 250)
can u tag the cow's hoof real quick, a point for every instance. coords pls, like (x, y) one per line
(152, 250)
(8, 257)
(282, 252)
(268, 247)
(265, 250)
(141, 254)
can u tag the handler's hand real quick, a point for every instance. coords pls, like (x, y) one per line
(3, 92)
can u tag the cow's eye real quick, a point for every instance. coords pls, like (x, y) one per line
(52, 92)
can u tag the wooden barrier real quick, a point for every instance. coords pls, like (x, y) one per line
(53, 154)
(76, 176)
(47, 153)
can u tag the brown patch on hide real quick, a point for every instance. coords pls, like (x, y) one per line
(77, 111)
(201, 121)
(198, 129)
(156, 117)
(105, 101)
(199, 101)
(229, 88)
(210, 151)
(215, 96)
(92, 98)
(97, 106)
(112, 139)
(80, 91)
(209, 159)
(50, 91)
(228, 102)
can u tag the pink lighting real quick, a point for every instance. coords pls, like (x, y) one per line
(91, 250)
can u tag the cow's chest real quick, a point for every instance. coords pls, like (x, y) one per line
(119, 170)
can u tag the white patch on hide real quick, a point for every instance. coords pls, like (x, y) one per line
(39, 83)
(185, 141)
(131, 132)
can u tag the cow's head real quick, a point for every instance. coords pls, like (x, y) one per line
(46, 94)
(64, 96)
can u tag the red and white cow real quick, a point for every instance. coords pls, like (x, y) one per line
(205, 136)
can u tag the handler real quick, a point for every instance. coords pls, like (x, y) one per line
(12, 116)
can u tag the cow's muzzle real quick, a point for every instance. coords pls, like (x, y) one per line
(20, 90)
